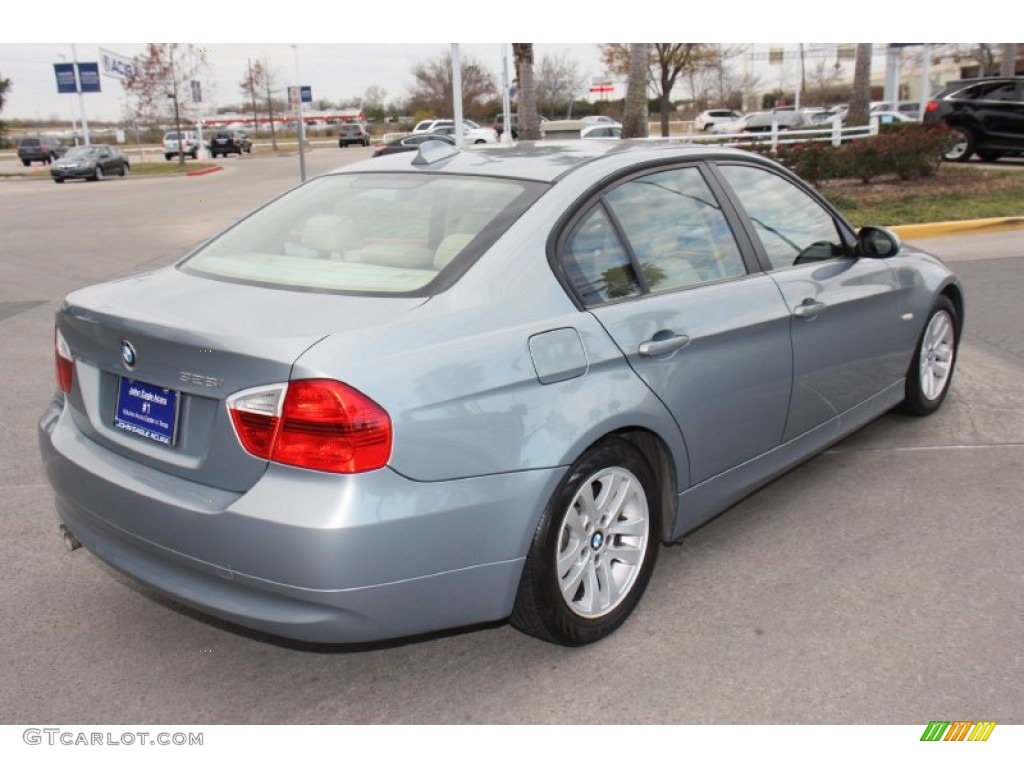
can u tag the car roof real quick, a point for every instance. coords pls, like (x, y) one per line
(544, 161)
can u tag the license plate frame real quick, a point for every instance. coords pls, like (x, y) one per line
(147, 410)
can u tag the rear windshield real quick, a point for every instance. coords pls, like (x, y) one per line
(29, 143)
(380, 233)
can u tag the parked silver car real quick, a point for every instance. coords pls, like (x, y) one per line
(445, 387)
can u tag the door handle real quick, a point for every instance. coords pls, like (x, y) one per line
(810, 309)
(657, 347)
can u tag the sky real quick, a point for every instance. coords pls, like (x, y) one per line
(333, 70)
(341, 51)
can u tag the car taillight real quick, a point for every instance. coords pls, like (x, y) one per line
(931, 106)
(313, 423)
(65, 364)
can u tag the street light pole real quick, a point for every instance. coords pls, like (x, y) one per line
(81, 101)
(302, 123)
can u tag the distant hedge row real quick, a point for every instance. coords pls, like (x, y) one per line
(906, 150)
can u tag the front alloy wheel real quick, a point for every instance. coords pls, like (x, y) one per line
(594, 549)
(931, 371)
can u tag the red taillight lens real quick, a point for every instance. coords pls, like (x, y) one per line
(65, 364)
(320, 424)
(931, 106)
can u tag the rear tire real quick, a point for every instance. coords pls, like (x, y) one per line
(594, 549)
(931, 371)
(962, 148)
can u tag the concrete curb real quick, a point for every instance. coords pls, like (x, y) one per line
(968, 227)
(204, 171)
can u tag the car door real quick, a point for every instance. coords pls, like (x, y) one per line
(655, 259)
(848, 312)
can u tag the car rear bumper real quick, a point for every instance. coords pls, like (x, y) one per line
(304, 555)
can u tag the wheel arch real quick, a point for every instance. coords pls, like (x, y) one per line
(659, 457)
(955, 295)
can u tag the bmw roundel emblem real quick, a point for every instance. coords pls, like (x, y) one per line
(127, 354)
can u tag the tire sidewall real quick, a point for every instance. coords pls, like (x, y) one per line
(916, 402)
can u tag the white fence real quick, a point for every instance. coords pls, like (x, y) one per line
(834, 133)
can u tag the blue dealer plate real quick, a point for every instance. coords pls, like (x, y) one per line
(147, 410)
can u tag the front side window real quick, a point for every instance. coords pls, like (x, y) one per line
(792, 226)
(366, 233)
(676, 229)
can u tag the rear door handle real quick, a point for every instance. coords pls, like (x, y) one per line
(809, 309)
(657, 347)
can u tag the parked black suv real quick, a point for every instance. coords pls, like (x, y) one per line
(227, 142)
(986, 113)
(42, 149)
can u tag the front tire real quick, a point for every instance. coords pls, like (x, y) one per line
(962, 148)
(931, 370)
(594, 549)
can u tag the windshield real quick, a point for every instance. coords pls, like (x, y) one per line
(81, 152)
(382, 233)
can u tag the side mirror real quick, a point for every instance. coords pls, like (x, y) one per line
(877, 242)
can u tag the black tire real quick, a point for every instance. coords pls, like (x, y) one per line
(168, 155)
(195, 154)
(937, 350)
(591, 549)
(26, 163)
(962, 148)
(125, 169)
(97, 175)
(58, 181)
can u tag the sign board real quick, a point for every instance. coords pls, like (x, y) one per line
(197, 90)
(307, 94)
(115, 65)
(89, 76)
(602, 84)
(66, 80)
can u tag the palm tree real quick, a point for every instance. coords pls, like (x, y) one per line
(634, 118)
(529, 123)
(860, 99)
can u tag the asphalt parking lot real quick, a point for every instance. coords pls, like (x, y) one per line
(880, 582)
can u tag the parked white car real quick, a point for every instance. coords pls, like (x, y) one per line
(710, 117)
(473, 132)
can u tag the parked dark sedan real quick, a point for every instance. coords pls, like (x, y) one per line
(91, 163)
(410, 143)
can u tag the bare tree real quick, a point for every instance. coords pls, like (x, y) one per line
(558, 81)
(265, 79)
(529, 123)
(250, 92)
(5, 86)
(432, 91)
(634, 119)
(158, 86)
(860, 98)
(667, 61)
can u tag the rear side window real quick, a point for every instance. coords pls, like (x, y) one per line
(367, 233)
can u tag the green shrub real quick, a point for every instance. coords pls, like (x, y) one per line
(908, 150)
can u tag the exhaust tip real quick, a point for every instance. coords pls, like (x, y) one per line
(69, 539)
